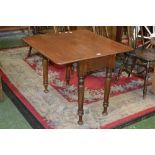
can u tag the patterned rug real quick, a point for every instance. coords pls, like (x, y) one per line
(94, 83)
(56, 110)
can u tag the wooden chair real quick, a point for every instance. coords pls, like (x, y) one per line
(101, 30)
(40, 29)
(106, 31)
(138, 61)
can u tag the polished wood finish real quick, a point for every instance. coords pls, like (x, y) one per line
(107, 88)
(87, 66)
(45, 74)
(90, 51)
(56, 29)
(76, 46)
(81, 75)
(68, 73)
(106, 31)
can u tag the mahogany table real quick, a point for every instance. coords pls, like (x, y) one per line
(90, 51)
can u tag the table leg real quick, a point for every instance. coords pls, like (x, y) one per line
(29, 52)
(45, 74)
(146, 80)
(80, 98)
(123, 67)
(107, 90)
(68, 71)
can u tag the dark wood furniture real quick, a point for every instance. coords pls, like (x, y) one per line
(90, 51)
(142, 59)
(138, 61)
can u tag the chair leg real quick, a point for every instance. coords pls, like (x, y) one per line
(68, 72)
(146, 80)
(29, 30)
(122, 68)
(29, 52)
(132, 66)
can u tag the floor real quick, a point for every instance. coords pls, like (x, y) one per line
(12, 39)
(12, 118)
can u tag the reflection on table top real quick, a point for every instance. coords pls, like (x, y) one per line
(64, 48)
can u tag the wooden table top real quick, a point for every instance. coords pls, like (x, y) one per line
(78, 45)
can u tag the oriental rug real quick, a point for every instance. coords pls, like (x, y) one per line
(94, 83)
(58, 108)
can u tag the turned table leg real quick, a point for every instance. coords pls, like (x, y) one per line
(81, 74)
(107, 90)
(80, 99)
(68, 71)
(45, 74)
(29, 52)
